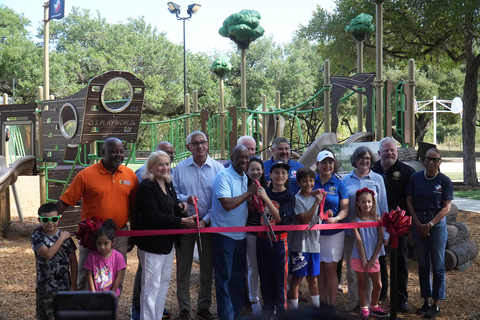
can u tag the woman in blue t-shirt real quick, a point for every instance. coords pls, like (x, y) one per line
(429, 196)
(331, 241)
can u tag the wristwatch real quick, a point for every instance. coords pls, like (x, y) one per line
(431, 224)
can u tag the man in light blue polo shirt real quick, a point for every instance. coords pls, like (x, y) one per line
(193, 179)
(229, 209)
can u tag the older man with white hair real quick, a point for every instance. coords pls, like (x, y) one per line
(248, 142)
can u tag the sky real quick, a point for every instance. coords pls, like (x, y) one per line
(279, 21)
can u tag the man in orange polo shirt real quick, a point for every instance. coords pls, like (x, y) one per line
(108, 189)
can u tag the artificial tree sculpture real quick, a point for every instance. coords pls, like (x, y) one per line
(243, 28)
(220, 67)
(360, 27)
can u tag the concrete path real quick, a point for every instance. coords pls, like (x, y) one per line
(467, 204)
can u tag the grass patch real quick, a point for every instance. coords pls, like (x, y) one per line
(468, 194)
(456, 153)
(457, 176)
(454, 175)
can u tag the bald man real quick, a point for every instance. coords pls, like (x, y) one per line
(108, 189)
(164, 146)
(229, 209)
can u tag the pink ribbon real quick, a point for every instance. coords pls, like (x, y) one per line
(328, 226)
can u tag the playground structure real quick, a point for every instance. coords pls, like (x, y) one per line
(71, 130)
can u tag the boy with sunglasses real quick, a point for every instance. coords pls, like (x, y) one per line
(56, 262)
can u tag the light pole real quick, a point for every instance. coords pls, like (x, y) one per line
(175, 9)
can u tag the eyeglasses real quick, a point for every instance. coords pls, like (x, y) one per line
(199, 143)
(434, 160)
(170, 153)
(366, 159)
(47, 219)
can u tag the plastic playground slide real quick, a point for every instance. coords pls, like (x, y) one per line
(309, 158)
(24, 166)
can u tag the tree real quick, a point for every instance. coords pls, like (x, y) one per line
(434, 32)
(20, 59)
(85, 45)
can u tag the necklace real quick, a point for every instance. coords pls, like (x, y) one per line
(425, 174)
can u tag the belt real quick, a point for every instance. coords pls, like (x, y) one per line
(278, 236)
(427, 212)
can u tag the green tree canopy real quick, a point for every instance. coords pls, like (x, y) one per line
(439, 32)
(20, 58)
(221, 66)
(85, 45)
(360, 26)
(242, 28)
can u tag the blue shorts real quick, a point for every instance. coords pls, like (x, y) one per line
(305, 263)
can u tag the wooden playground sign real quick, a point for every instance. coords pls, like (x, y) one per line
(110, 106)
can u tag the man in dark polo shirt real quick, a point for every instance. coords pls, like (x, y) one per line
(395, 175)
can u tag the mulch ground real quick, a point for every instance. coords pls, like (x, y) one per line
(17, 272)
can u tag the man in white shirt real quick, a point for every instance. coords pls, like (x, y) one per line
(193, 179)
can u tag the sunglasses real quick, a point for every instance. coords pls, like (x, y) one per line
(48, 219)
(434, 160)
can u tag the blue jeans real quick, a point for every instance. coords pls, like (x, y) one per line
(431, 256)
(273, 270)
(230, 265)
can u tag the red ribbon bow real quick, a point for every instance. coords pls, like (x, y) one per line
(397, 224)
(84, 234)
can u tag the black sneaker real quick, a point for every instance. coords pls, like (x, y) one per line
(424, 309)
(403, 307)
(432, 313)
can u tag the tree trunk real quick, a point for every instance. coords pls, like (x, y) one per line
(470, 100)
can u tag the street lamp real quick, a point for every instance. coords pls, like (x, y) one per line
(175, 9)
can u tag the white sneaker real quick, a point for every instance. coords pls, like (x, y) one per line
(350, 306)
(257, 309)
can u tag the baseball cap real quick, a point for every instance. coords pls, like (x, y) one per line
(280, 164)
(324, 154)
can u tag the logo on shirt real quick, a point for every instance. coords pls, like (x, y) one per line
(438, 188)
(332, 190)
(396, 174)
(103, 278)
(126, 182)
(269, 216)
(293, 174)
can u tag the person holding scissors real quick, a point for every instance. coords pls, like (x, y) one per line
(193, 182)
